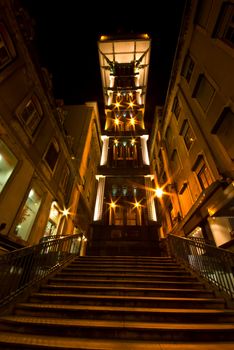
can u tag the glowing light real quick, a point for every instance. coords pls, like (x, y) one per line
(103, 37)
(133, 141)
(116, 121)
(158, 192)
(116, 142)
(65, 212)
(117, 104)
(132, 121)
(31, 193)
(112, 205)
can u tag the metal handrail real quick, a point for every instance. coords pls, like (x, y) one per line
(26, 266)
(214, 264)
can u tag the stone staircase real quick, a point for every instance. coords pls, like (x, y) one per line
(120, 303)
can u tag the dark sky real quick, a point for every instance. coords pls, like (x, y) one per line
(66, 34)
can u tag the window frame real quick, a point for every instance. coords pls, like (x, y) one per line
(219, 125)
(188, 134)
(7, 43)
(201, 168)
(224, 23)
(57, 148)
(176, 107)
(188, 68)
(32, 120)
(65, 177)
(13, 166)
(202, 79)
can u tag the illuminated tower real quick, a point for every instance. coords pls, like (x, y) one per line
(125, 220)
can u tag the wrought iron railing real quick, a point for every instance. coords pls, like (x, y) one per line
(26, 266)
(216, 265)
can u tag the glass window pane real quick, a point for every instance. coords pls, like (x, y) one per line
(224, 131)
(7, 164)
(28, 215)
(204, 92)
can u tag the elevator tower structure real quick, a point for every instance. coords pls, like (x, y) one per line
(125, 218)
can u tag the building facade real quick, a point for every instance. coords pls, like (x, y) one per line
(125, 218)
(44, 153)
(191, 148)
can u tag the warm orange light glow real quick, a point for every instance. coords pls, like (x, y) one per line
(133, 141)
(158, 192)
(117, 104)
(103, 37)
(132, 121)
(65, 212)
(116, 121)
(112, 205)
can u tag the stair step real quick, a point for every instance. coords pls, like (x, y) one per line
(147, 265)
(122, 329)
(126, 282)
(28, 341)
(120, 303)
(129, 276)
(107, 269)
(126, 258)
(135, 301)
(137, 291)
(126, 313)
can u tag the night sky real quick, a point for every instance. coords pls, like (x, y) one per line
(66, 34)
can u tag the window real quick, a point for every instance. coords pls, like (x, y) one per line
(176, 107)
(170, 211)
(131, 216)
(202, 172)
(28, 214)
(225, 25)
(30, 115)
(224, 131)
(187, 69)
(52, 154)
(118, 215)
(7, 51)
(8, 163)
(64, 177)
(203, 92)
(160, 161)
(114, 190)
(175, 162)
(124, 150)
(163, 178)
(203, 12)
(168, 135)
(187, 134)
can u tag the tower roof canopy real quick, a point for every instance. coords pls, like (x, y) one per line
(124, 55)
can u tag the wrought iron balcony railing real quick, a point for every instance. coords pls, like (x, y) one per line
(214, 264)
(24, 267)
